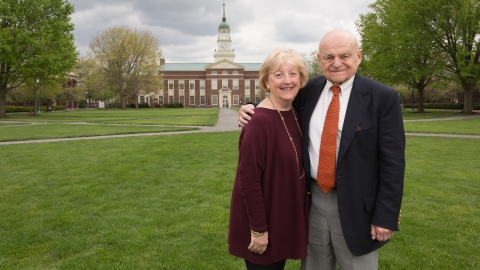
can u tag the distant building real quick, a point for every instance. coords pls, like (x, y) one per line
(219, 84)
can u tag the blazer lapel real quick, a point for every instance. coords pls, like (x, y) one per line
(357, 105)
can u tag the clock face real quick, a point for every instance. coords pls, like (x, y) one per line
(224, 45)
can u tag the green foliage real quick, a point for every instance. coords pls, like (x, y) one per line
(12, 109)
(313, 66)
(441, 106)
(411, 42)
(127, 60)
(36, 43)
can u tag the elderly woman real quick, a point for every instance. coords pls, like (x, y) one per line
(269, 208)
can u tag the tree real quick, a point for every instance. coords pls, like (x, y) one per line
(396, 51)
(36, 42)
(91, 80)
(313, 66)
(124, 55)
(454, 26)
(450, 29)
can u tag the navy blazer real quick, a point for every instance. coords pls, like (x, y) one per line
(371, 158)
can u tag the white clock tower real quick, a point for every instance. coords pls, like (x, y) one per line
(224, 49)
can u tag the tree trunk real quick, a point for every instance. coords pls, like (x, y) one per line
(123, 97)
(3, 101)
(421, 99)
(467, 102)
(35, 103)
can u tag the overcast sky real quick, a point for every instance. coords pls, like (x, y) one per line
(188, 29)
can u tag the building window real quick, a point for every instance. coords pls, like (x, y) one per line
(142, 99)
(247, 85)
(257, 98)
(257, 85)
(202, 100)
(235, 72)
(192, 100)
(224, 83)
(224, 72)
(182, 100)
(214, 100)
(214, 72)
(170, 99)
(160, 99)
(235, 84)
(214, 84)
(170, 85)
(181, 85)
(247, 99)
(202, 84)
(192, 84)
(235, 99)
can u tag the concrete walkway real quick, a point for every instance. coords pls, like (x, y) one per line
(228, 121)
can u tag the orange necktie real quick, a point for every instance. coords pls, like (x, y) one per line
(328, 145)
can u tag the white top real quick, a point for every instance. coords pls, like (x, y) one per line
(318, 120)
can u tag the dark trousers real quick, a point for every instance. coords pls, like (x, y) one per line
(274, 266)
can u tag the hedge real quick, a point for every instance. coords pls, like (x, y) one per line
(13, 109)
(442, 106)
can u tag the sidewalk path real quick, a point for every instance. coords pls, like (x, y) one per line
(227, 121)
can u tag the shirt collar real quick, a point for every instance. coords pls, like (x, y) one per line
(346, 86)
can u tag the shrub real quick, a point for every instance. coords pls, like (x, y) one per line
(173, 105)
(140, 105)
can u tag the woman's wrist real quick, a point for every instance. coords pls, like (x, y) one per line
(256, 234)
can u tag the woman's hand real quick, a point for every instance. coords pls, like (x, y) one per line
(258, 244)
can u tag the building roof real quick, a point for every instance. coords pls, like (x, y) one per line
(202, 66)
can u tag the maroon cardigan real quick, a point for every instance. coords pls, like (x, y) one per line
(268, 194)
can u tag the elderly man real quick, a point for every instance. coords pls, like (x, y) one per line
(354, 155)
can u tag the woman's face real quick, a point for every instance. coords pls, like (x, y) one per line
(284, 83)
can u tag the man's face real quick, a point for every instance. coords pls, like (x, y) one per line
(339, 58)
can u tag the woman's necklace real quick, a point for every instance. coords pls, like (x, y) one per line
(291, 140)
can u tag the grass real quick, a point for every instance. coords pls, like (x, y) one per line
(466, 127)
(162, 202)
(52, 131)
(429, 114)
(179, 117)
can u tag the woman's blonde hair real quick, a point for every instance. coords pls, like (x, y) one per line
(279, 57)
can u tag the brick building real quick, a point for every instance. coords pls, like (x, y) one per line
(219, 84)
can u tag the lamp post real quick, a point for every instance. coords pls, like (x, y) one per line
(38, 97)
(86, 100)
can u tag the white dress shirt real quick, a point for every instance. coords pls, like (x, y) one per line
(318, 120)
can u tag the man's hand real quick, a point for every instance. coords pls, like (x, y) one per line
(244, 114)
(380, 234)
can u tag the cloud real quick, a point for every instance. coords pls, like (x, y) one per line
(187, 29)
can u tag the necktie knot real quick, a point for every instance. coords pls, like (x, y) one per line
(335, 90)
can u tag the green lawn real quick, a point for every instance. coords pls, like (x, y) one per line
(52, 131)
(467, 127)
(409, 115)
(180, 117)
(162, 202)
